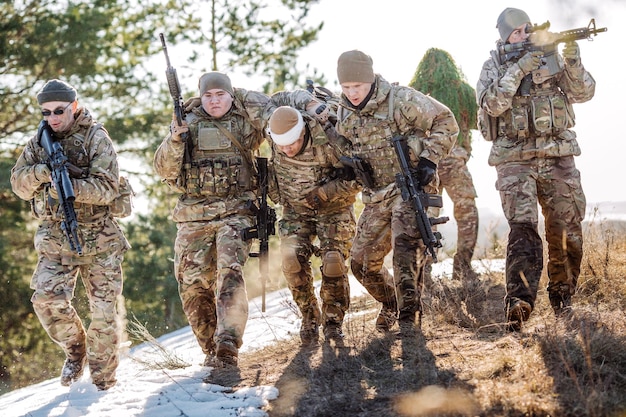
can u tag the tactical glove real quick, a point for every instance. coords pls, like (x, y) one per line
(426, 170)
(345, 173)
(571, 53)
(530, 62)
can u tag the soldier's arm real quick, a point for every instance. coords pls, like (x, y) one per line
(101, 186)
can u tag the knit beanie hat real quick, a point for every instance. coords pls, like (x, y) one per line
(215, 80)
(355, 67)
(56, 90)
(285, 125)
(509, 20)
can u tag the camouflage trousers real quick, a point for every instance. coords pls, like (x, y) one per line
(54, 281)
(208, 263)
(456, 179)
(335, 231)
(385, 224)
(555, 184)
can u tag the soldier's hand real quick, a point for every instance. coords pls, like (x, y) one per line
(571, 52)
(322, 112)
(191, 104)
(345, 173)
(530, 62)
(426, 170)
(42, 173)
(177, 130)
(316, 198)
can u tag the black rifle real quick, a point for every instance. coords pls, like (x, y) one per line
(546, 42)
(413, 191)
(177, 97)
(58, 163)
(264, 227)
(362, 170)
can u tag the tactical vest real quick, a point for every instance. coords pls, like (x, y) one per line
(301, 174)
(546, 111)
(217, 167)
(371, 140)
(75, 149)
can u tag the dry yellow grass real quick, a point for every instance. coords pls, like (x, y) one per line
(464, 362)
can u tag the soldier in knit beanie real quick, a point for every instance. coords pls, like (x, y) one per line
(215, 80)
(355, 67)
(509, 20)
(56, 90)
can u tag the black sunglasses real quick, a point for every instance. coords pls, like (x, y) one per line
(59, 111)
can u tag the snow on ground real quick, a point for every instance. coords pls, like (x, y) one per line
(141, 391)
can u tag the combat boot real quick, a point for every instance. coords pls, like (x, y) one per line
(72, 370)
(309, 333)
(518, 311)
(560, 302)
(332, 331)
(227, 352)
(409, 322)
(386, 318)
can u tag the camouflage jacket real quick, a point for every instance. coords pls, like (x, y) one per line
(291, 179)
(95, 187)
(231, 174)
(534, 125)
(98, 184)
(392, 110)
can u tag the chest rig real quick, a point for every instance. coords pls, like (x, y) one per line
(218, 167)
(371, 140)
(541, 111)
(78, 161)
(301, 174)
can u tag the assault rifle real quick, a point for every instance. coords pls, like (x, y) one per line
(264, 227)
(413, 191)
(177, 97)
(58, 163)
(542, 40)
(362, 169)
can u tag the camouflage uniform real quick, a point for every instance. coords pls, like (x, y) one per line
(456, 179)
(533, 151)
(387, 222)
(333, 222)
(102, 240)
(216, 189)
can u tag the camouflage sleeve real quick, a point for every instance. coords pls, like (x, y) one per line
(168, 158)
(340, 189)
(101, 186)
(577, 83)
(26, 179)
(414, 111)
(298, 99)
(272, 184)
(494, 93)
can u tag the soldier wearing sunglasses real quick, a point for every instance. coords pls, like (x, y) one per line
(95, 181)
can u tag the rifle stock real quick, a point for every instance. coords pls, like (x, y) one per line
(413, 191)
(264, 227)
(63, 185)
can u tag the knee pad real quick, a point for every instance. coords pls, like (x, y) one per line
(333, 264)
(290, 262)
